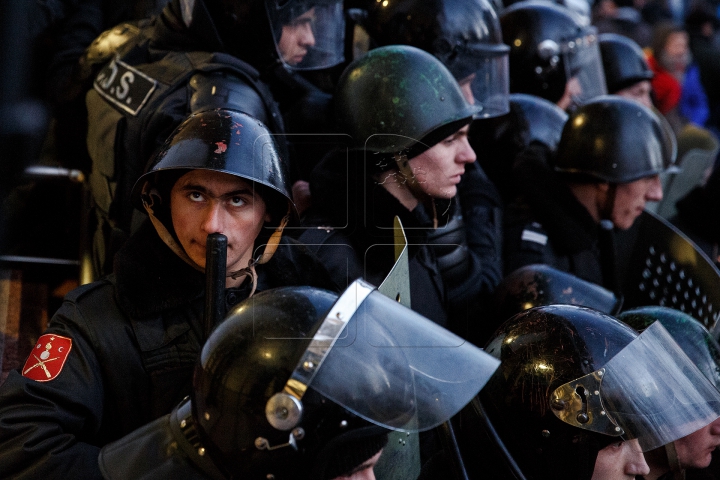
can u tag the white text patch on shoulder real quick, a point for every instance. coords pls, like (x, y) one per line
(124, 86)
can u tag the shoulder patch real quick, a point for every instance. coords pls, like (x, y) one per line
(124, 86)
(47, 358)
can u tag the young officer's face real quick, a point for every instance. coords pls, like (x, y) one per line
(364, 471)
(695, 450)
(639, 92)
(438, 170)
(297, 37)
(621, 460)
(630, 200)
(204, 202)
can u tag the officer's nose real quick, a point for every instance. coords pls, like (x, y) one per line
(636, 464)
(213, 218)
(654, 193)
(307, 37)
(465, 152)
(715, 427)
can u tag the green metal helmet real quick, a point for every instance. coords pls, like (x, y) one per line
(398, 97)
(616, 140)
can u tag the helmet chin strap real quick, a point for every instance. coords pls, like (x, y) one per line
(403, 165)
(150, 195)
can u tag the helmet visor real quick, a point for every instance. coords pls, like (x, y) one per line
(398, 369)
(488, 84)
(308, 34)
(650, 391)
(584, 66)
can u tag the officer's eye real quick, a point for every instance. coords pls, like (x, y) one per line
(237, 201)
(196, 196)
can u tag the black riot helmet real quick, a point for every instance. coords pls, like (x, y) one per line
(695, 340)
(272, 397)
(463, 34)
(531, 119)
(616, 140)
(549, 45)
(573, 380)
(300, 34)
(399, 97)
(539, 284)
(623, 61)
(225, 141)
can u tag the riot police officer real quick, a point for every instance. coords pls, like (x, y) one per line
(627, 72)
(605, 170)
(580, 395)
(271, 397)
(194, 56)
(677, 459)
(120, 352)
(408, 120)
(553, 53)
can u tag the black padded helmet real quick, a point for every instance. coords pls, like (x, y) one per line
(549, 45)
(397, 97)
(252, 29)
(463, 34)
(539, 284)
(623, 61)
(616, 140)
(272, 397)
(225, 141)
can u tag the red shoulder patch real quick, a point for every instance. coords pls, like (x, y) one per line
(47, 358)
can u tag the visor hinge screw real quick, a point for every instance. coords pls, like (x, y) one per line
(558, 404)
(545, 433)
(582, 417)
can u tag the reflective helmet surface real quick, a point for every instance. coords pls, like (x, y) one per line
(463, 34)
(225, 141)
(624, 62)
(271, 390)
(252, 30)
(247, 360)
(540, 350)
(550, 44)
(616, 140)
(539, 284)
(694, 339)
(396, 96)
(544, 119)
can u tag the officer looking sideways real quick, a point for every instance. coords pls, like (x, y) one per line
(120, 352)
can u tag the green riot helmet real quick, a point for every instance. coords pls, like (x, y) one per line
(399, 97)
(299, 34)
(616, 140)
(695, 340)
(549, 45)
(225, 141)
(624, 62)
(272, 397)
(539, 284)
(463, 34)
(573, 380)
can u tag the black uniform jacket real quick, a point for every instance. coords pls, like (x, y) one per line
(547, 224)
(355, 238)
(136, 336)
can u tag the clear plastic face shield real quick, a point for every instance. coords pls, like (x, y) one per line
(389, 365)
(308, 34)
(650, 391)
(583, 64)
(488, 84)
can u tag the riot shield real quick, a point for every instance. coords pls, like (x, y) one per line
(401, 456)
(659, 265)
